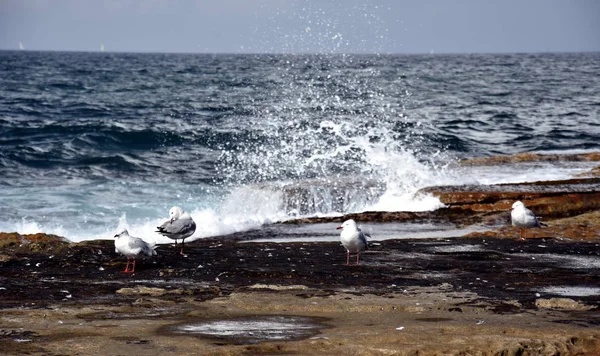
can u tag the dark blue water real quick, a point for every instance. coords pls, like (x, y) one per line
(89, 141)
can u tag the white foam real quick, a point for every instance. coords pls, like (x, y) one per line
(28, 225)
(404, 175)
(208, 223)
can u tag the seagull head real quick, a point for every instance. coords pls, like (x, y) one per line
(175, 212)
(122, 233)
(517, 205)
(347, 224)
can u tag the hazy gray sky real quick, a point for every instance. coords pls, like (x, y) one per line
(330, 26)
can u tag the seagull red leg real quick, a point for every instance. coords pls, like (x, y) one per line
(347, 258)
(126, 266)
(357, 256)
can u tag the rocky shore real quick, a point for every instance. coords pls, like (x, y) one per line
(483, 293)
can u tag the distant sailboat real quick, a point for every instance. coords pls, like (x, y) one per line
(102, 48)
(21, 46)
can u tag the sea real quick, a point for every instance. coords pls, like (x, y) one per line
(94, 142)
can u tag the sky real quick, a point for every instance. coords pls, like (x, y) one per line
(301, 26)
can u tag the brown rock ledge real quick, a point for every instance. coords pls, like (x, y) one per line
(569, 207)
(532, 157)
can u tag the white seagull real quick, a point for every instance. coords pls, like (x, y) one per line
(180, 226)
(132, 247)
(353, 239)
(523, 218)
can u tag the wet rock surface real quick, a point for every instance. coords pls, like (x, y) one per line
(91, 270)
(402, 288)
(532, 157)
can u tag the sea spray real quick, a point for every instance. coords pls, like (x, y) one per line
(333, 144)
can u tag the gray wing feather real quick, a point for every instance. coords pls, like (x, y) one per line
(164, 225)
(531, 215)
(362, 237)
(178, 227)
(145, 247)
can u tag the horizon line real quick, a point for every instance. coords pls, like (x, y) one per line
(301, 53)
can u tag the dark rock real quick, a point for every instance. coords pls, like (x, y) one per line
(531, 157)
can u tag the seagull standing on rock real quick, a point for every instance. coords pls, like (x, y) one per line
(132, 247)
(180, 226)
(353, 239)
(523, 218)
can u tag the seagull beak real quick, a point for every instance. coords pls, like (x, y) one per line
(339, 227)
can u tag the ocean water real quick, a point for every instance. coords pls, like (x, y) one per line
(94, 142)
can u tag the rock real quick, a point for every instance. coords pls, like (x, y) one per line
(34, 242)
(551, 199)
(142, 290)
(152, 302)
(531, 157)
(594, 172)
(490, 204)
(278, 287)
(587, 219)
(580, 227)
(373, 216)
(401, 283)
(562, 304)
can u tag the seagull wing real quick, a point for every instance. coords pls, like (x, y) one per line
(179, 227)
(135, 243)
(531, 216)
(164, 226)
(363, 238)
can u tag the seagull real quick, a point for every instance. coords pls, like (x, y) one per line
(180, 226)
(522, 217)
(353, 239)
(132, 247)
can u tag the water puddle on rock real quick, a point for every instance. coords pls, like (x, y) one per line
(252, 329)
(327, 232)
(572, 291)
(568, 261)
